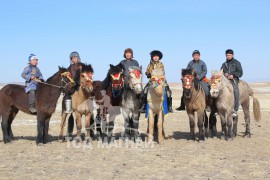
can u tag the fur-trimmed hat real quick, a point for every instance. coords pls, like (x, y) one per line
(156, 53)
(128, 50)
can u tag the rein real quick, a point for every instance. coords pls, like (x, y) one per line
(52, 85)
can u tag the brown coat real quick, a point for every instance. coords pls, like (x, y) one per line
(154, 65)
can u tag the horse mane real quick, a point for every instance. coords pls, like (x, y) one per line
(87, 68)
(116, 69)
(61, 70)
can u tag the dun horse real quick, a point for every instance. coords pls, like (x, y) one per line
(81, 104)
(155, 97)
(222, 91)
(13, 98)
(195, 101)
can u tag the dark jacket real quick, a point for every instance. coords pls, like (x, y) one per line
(128, 63)
(199, 67)
(233, 67)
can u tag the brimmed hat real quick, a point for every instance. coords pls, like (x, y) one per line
(156, 53)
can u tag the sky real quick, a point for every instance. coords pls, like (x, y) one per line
(100, 30)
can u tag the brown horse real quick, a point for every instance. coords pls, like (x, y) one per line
(13, 98)
(195, 101)
(155, 101)
(222, 91)
(81, 104)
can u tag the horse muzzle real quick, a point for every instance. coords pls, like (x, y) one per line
(214, 93)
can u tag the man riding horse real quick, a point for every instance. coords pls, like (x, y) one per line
(200, 69)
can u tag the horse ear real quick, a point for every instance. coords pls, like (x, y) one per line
(60, 69)
(111, 65)
(141, 68)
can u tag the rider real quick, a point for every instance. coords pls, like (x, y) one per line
(232, 69)
(200, 69)
(75, 69)
(127, 62)
(32, 75)
(155, 63)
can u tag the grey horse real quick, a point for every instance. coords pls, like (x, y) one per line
(222, 91)
(131, 102)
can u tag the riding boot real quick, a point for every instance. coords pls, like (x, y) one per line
(182, 105)
(170, 104)
(32, 100)
(68, 104)
(143, 101)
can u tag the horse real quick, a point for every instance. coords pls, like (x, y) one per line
(222, 91)
(195, 101)
(13, 98)
(155, 97)
(131, 101)
(81, 104)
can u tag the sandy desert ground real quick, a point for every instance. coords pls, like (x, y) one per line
(176, 158)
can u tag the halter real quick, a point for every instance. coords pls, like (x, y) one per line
(214, 80)
(188, 81)
(68, 75)
(157, 84)
(88, 76)
(136, 74)
(117, 77)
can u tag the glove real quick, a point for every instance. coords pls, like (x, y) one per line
(149, 75)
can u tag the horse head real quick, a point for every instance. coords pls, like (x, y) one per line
(188, 78)
(135, 79)
(116, 74)
(158, 81)
(86, 77)
(67, 82)
(216, 83)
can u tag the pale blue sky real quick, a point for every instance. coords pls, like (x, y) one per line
(100, 31)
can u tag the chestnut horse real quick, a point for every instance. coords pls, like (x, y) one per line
(13, 98)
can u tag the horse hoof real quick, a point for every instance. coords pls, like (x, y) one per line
(222, 137)
(7, 140)
(230, 139)
(247, 136)
(88, 141)
(40, 144)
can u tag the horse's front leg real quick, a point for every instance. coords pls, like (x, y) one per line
(213, 124)
(4, 125)
(200, 125)
(40, 128)
(46, 129)
(126, 113)
(150, 125)
(230, 130)
(192, 124)
(223, 119)
(62, 126)
(79, 126)
(135, 124)
(160, 127)
(87, 127)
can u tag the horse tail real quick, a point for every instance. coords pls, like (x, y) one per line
(256, 105)
(70, 124)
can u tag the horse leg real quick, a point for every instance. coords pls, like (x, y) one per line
(135, 124)
(46, 129)
(62, 126)
(79, 126)
(235, 121)
(247, 119)
(126, 124)
(223, 126)
(160, 127)
(40, 128)
(87, 127)
(192, 125)
(98, 123)
(4, 125)
(229, 125)
(92, 126)
(150, 125)
(10, 120)
(213, 124)
(200, 125)
(206, 124)
(111, 126)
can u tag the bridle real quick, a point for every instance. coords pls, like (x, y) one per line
(89, 78)
(158, 81)
(117, 77)
(135, 74)
(64, 87)
(215, 79)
